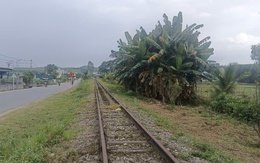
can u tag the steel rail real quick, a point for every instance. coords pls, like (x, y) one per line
(160, 148)
(104, 157)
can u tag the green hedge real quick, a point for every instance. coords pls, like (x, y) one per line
(241, 109)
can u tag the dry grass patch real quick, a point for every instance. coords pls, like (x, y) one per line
(227, 135)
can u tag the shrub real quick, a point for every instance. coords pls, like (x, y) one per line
(256, 119)
(109, 76)
(27, 77)
(241, 109)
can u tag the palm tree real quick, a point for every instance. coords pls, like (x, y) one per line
(255, 52)
(226, 79)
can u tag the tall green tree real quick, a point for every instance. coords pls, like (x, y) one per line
(52, 70)
(164, 64)
(28, 77)
(130, 60)
(255, 53)
(183, 54)
(90, 68)
(106, 66)
(250, 69)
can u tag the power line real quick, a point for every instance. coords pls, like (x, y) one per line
(8, 56)
(15, 61)
(9, 61)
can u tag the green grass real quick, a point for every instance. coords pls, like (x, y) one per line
(26, 134)
(208, 152)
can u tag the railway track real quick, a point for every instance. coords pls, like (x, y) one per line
(122, 137)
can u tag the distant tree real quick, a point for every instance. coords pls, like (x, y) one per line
(52, 70)
(63, 78)
(27, 77)
(85, 75)
(90, 68)
(83, 69)
(106, 66)
(251, 70)
(255, 53)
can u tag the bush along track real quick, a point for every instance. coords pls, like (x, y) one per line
(244, 109)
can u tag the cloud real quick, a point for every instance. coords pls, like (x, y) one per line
(255, 14)
(243, 39)
(204, 14)
(83, 30)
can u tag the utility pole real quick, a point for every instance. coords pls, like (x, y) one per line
(31, 63)
(17, 62)
(8, 64)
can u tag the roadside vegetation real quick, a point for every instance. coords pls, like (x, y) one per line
(28, 78)
(29, 134)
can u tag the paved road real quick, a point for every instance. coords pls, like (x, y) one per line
(12, 99)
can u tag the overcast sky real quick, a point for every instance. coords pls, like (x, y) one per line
(72, 32)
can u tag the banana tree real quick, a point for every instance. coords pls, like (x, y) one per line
(182, 52)
(159, 63)
(130, 60)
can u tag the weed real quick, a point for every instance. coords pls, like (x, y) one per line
(170, 107)
(68, 135)
(208, 152)
(180, 134)
(184, 156)
(72, 154)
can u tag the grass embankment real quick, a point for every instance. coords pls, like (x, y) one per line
(214, 137)
(28, 134)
